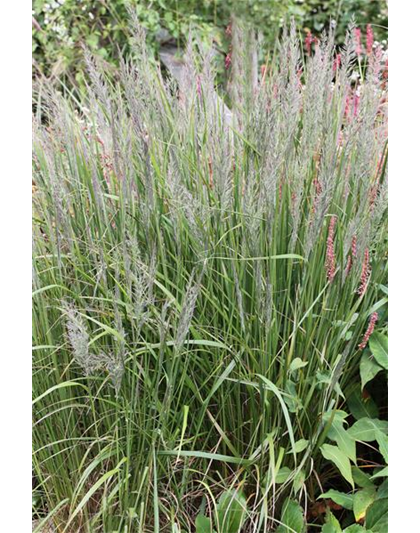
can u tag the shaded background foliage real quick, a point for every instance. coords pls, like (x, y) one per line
(61, 26)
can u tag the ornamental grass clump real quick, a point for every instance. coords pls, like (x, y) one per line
(204, 278)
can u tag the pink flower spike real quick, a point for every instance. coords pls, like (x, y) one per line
(358, 41)
(364, 278)
(198, 82)
(356, 101)
(369, 331)
(330, 255)
(354, 247)
(309, 39)
(337, 62)
(369, 39)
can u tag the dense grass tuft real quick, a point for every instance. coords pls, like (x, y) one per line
(203, 279)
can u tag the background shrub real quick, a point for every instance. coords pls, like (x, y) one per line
(61, 27)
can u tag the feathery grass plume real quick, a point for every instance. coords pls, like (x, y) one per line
(187, 309)
(78, 337)
(191, 239)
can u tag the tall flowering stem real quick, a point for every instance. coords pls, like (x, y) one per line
(330, 256)
(369, 331)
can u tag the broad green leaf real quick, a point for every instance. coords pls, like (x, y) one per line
(345, 500)
(368, 368)
(377, 516)
(231, 511)
(340, 459)
(361, 407)
(296, 364)
(366, 429)
(203, 524)
(338, 434)
(332, 525)
(362, 499)
(378, 344)
(283, 474)
(381, 473)
(361, 478)
(300, 445)
(292, 519)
